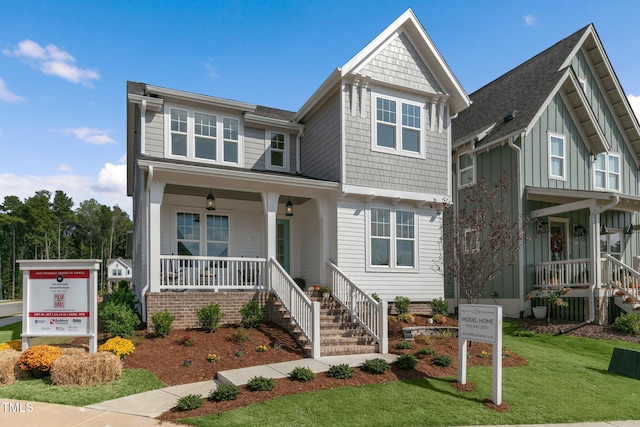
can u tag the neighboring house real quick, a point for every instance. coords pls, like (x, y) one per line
(345, 192)
(561, 124)
(119, 269)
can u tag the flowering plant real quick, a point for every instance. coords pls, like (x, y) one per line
(187, 362)
(239, 353)
(557, 243)
(119, 346)
(484, 354)
(39, 358)
(261, 348)
(277, 345)
(187, 341)
(212, 357)
(5, 346)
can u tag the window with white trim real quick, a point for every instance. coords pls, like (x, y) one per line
(277, 150)
(188, 233)
(611, 244)
(471, 240)
(557, 156)
(466, 169)
(203, 136)
(398, 126)
(217, 235)
(194, 238)
(606, 171)
(392, 238)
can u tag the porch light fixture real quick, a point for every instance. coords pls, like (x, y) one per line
(579, 230)
(288, 208)
(211, 202)
(604, 229)
(542, 226)
(629, 230)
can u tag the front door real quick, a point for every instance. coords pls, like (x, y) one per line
(558, 239)
(282, 243)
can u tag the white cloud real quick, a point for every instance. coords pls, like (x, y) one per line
(51, 60)
(89, 135)
(212, 71)
(65, 168)
(635, 104)
(529, 20)
(113, 176)
(78, 187)
(7, 95)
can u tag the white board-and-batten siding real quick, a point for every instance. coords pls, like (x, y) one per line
(425, 284)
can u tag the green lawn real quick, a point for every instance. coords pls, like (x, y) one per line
(566, 380)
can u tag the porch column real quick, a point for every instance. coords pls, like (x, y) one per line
(323, 238)
(155, 194)
(270, 201)
(594, 249)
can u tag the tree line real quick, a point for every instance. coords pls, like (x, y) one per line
(46, 226)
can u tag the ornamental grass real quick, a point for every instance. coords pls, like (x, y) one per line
(39, 358)
(119, 346)
(9, 370)
(86, 369)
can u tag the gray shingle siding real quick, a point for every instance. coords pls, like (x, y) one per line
(320, 147)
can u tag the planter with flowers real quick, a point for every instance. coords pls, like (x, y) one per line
(325, 291)
(552, 296)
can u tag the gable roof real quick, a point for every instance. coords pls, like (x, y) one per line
(524, 93)
(407, 23)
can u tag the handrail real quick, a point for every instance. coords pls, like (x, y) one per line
(304, 313)
(567, 273)
(621, 277)
(369, 313)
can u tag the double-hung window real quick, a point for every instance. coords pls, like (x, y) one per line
(217, 235)
(471, 240)
(392, 238)
(188, 233)
(203, 136)
(277, 152)
(607, 172)
(466, 169)
(195, 238)
(557, 157)
(398, 126)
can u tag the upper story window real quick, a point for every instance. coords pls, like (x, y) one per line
(203, 136)
(466, 169)
(277, 150)
(116, 272)
(471, 240)
(392, 236)
(557, 157)
(607, 172)
(398, 126)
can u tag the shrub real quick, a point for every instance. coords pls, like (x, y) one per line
(440, 306)
(375, 366)
(426, 352)
(119, 319)
(85, 369)
(162, 321)
(439, 318)
(39, 358)
(340, 372)
(404, 345)
(261, 384)
(375, 297)
(209, 317)
(240, 335)
(406, 361)
(252, 314)
(122, 295)
(119, 346)
(524, 334)
(224, 392)
(446, 333)
(301, 374)
(402, 304)
(189, 402)
(406, 317)
(442, 360)
(628, 323)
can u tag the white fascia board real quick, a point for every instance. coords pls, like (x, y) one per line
(205, 99)
(547, 101)
(373, 193)
(268, 121)
(578, 46)
(153, 104)
(328, 85)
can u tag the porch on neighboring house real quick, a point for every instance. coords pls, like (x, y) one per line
(585, 242)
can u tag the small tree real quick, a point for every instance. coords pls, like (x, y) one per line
(480, 236)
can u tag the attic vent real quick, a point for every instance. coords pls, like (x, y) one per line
(510, 116)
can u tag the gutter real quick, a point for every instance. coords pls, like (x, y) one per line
(519, 183)
(298, 144)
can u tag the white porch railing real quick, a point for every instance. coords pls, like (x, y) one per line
(304, 313)
(369, 313)
(178, 273)
(569, 273)
(621, 277)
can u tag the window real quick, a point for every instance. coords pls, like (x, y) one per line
(611, 244)
(392, 246)
(217, 235)
(557, 157)
(277, 152)
(204, 136)
(466, 169)
(188, 232)
(214, 234)
(471, 241)
(116, 272)
(397, 126)
(607, 172)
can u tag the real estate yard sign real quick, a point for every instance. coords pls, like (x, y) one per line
(60, 299)
(482, 323)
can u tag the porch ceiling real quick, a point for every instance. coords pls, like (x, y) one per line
(627, 203)
(224, 194)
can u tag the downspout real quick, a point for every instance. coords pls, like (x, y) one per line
(148, 225)
(298, 144)
(519, 183)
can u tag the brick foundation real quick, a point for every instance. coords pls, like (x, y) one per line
(423, 308)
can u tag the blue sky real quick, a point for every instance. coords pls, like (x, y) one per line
(64, 65)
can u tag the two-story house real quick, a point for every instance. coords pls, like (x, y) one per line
(344, 192)
(119, 269)
(561, 126)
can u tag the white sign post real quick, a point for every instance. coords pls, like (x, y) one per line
(60, 298)
(482, 323)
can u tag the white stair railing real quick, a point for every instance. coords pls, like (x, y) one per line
(621, 277)
(369, 313)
